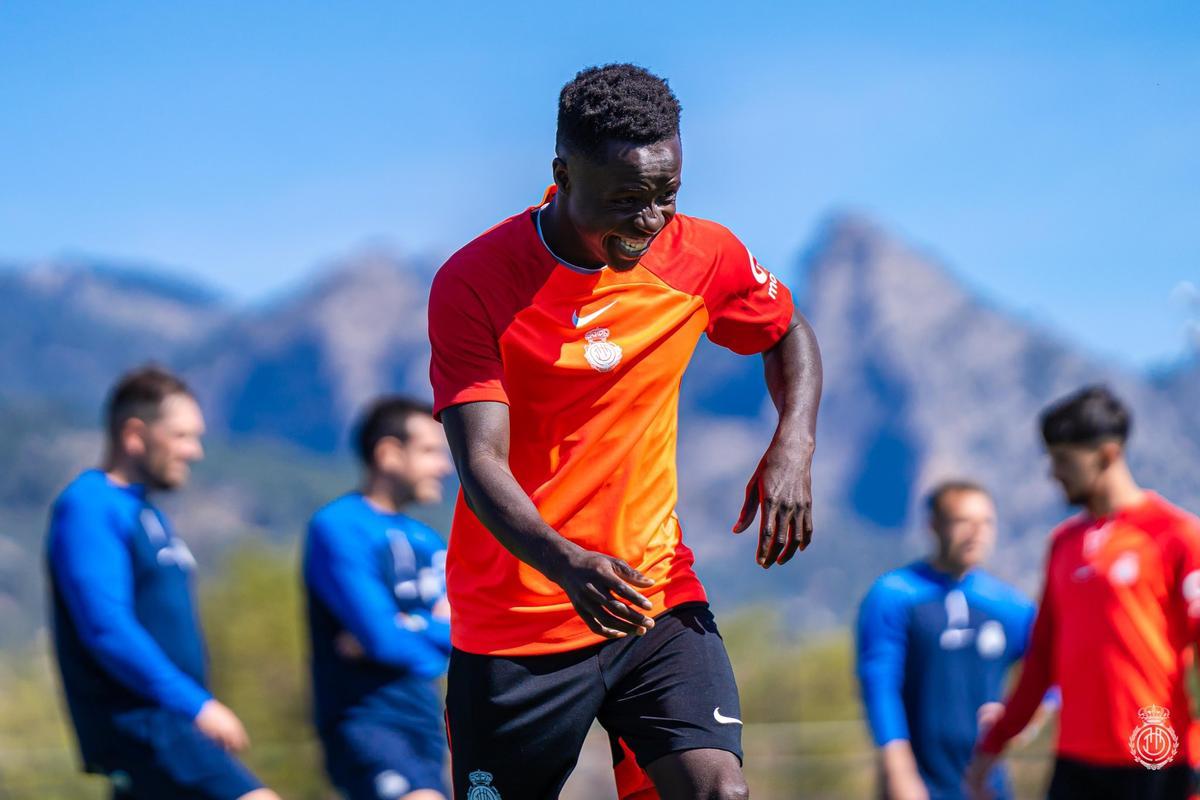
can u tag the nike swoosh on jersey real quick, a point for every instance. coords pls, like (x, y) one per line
(579, 321)
(724, 720)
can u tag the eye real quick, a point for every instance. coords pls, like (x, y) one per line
(667, 199)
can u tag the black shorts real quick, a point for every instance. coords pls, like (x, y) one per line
(1078, 780)
(369, 760)
(516, 724)
(155, 753)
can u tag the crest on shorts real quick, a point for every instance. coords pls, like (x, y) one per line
(1154, 743)
(602, 354)
(481, 786)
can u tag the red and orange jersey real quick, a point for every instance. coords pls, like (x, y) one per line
(1119, 613)
(589, 363)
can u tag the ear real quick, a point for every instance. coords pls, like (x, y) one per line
(1110, 453)
(132, 438)
(561, 174)
(388, 451)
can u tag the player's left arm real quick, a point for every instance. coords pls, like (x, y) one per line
(781, 486)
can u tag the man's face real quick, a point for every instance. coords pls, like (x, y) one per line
(1077, 468)
(965, 528)
(165, 447)
(421, 464)
(618, 206)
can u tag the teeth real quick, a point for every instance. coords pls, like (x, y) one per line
(632, 246)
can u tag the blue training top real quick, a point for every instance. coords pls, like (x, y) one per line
(125, 625)
(931, 651)
(378, 577)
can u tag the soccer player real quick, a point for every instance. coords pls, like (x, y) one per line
(1118, 619)
(128, 641)
(377, 612)
(559, 339)
(935, 640)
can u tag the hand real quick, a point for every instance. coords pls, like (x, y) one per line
(986, 716)
(601, 589)
(975, 779)
(782, 485)
(348, 647)
(441, 609)
(218, 723)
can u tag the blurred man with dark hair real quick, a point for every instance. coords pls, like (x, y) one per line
(377, 611)
(935, 641)
(126, 633)
(559, 338)
(1119, 617)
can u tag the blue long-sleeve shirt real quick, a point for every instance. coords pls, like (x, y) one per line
(378, 577)
(931, 651)
(126, 631)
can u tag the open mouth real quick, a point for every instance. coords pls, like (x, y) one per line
(633, 248)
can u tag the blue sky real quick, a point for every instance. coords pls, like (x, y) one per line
(1048, 154)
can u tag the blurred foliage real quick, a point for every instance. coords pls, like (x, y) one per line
(804, 736)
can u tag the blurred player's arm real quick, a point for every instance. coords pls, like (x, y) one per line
(92, 569)
(342, 573)
(882, 644)
(1024, 701)
(781, 487)
(600, 587)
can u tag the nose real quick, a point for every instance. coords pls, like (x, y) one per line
(651, 219)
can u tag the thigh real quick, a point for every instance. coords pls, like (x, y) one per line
(368, 760)
(164, 755)
(516, 725)
(673, 690)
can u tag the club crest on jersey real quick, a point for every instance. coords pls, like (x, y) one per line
(481, 786)
(1153, 743)
(602, 354)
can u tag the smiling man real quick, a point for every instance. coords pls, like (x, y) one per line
(559, 339)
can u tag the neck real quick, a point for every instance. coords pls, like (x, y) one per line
(383, 495)
(559, 236)
(1117, 491)
(948, 567)
(121, 471)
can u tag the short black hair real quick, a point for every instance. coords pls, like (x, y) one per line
(620, 102)
(1088, 416)
(139, 394)
(933, 500)
(384, 417)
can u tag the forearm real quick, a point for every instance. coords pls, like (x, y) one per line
(901, 777)
(794, 377)
(493, 494)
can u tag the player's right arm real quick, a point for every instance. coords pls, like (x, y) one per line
(94, 575)
(600, 587)
(340, 570)
(882, 644)
(1025, 699)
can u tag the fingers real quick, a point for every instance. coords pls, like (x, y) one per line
(767, 550)
(749, 506)
(631, 575)
(609, 616)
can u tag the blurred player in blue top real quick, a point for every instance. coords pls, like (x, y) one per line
(378, 617)
(128, 641)
(935, 641)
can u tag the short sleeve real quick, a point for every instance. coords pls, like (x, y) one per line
(749, 308)
(465, 363)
